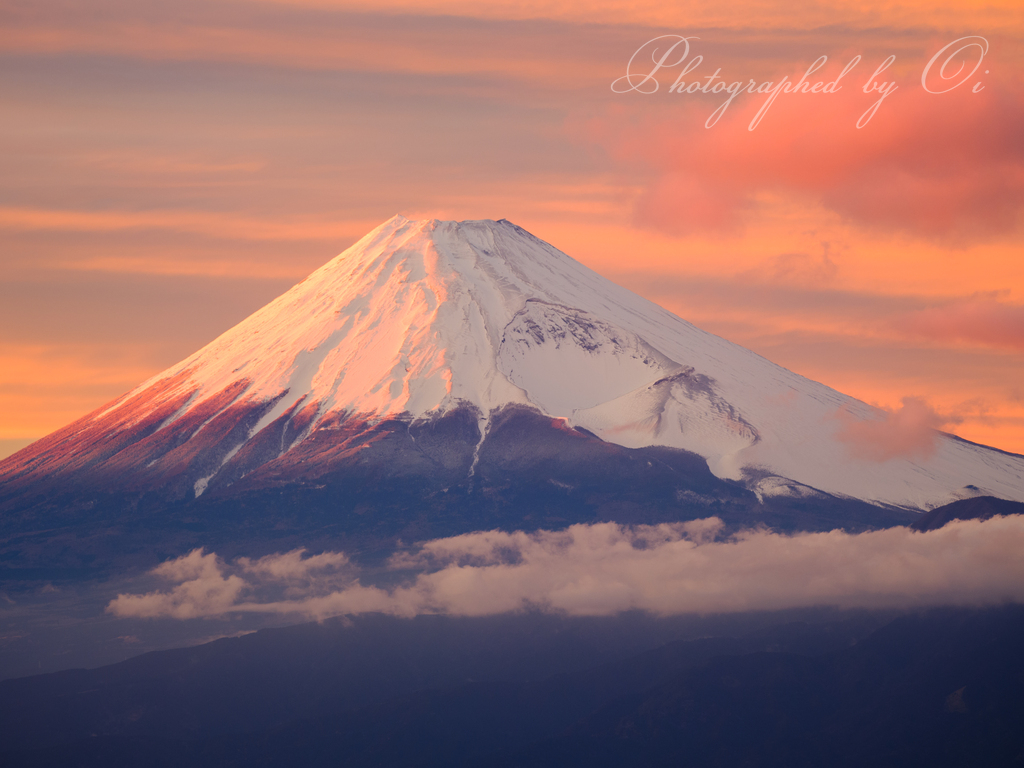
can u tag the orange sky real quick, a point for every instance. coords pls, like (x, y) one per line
(167, 169)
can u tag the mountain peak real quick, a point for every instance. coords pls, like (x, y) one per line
(420, 318)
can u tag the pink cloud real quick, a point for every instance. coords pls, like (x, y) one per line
(203, 590)
(796, 269)
(294, 566)
(607, 568)
(939, 165)
(909, 431)
(978, 319)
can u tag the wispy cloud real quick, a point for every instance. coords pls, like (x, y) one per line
(978, 319)
(607, 568)
(756, 14)
(325, 39)
(201, 222)
(294, 566)
(910, 431)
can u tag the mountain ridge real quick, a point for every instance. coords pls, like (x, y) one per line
(424, 318)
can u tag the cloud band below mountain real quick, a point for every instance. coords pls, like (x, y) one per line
(607, 568)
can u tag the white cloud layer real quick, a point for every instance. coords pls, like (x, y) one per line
(607, 568)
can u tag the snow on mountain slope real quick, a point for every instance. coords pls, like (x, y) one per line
(682, 410)
(420, 317)
(567, 359)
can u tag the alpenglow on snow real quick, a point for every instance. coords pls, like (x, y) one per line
(422, 317)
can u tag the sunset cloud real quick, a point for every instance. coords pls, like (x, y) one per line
(761, 14)
(204, 587)
(338, 38)
(910, 431)
(201, 222)
(942, 166)
(202, 590)
(666, 569)
(978, 319)
(796, 269)
(294, 565)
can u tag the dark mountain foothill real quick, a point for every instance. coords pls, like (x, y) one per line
(938, 688)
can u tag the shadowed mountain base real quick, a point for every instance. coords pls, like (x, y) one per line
(942, 688)
(389, 481)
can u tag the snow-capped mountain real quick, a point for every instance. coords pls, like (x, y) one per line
(423, 319)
